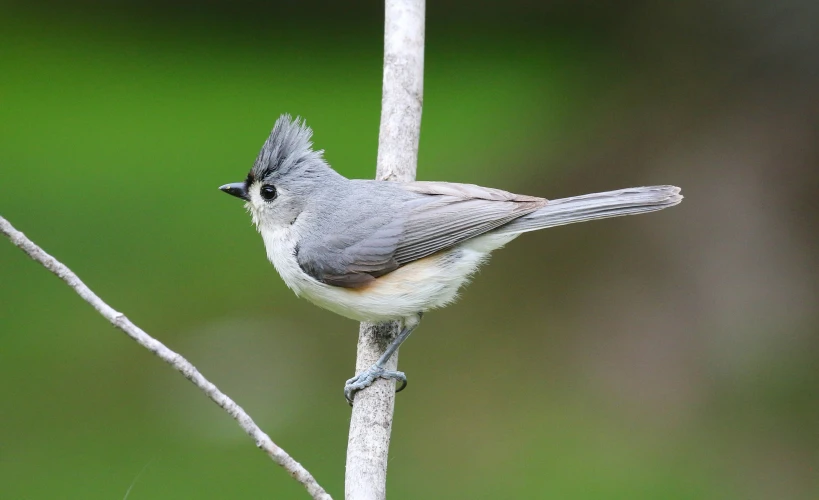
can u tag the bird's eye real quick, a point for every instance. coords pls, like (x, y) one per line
(268, 192)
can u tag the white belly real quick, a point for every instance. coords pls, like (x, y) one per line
(417, 287)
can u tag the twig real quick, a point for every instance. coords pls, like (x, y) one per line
(174, 359)
(371, 422)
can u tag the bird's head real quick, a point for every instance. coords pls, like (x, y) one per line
(285, 176)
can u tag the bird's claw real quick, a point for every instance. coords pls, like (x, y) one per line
(366, 379)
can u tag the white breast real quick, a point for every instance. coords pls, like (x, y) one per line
(417, 287)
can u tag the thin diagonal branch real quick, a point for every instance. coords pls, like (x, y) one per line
(180, 364)
(371, 422)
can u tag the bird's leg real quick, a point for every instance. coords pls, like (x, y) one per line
(368, 376)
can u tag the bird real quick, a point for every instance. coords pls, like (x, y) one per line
(390, 251)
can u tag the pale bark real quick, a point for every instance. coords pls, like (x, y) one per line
(371, 422)
(180, 364)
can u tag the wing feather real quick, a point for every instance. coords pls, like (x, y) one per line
(430, 217)
(455, 213)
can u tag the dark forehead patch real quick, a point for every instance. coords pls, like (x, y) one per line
(249, 180)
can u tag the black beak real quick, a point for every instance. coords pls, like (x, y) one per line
(236, 189)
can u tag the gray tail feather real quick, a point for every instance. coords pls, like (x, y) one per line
(629, 201)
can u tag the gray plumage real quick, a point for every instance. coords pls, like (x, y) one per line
(587, 207)
(379, 230)
(360, 230)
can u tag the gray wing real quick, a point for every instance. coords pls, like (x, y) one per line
(451, 213)
(413, 220)
(354, 254)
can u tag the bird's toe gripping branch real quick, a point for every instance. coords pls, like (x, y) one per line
(368, 376)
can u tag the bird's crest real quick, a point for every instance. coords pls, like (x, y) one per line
(287, 147)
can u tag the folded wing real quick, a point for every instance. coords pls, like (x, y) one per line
(431, 217)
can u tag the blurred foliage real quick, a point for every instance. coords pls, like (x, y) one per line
(606, 380)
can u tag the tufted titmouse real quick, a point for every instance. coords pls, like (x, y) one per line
(379, 251)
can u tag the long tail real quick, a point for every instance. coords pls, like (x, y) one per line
(629, 201)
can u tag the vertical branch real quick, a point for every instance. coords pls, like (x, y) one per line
(403, 92)
(371, 422)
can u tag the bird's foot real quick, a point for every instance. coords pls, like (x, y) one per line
(368, 376)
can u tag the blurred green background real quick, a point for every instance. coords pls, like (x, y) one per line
(668, 356)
